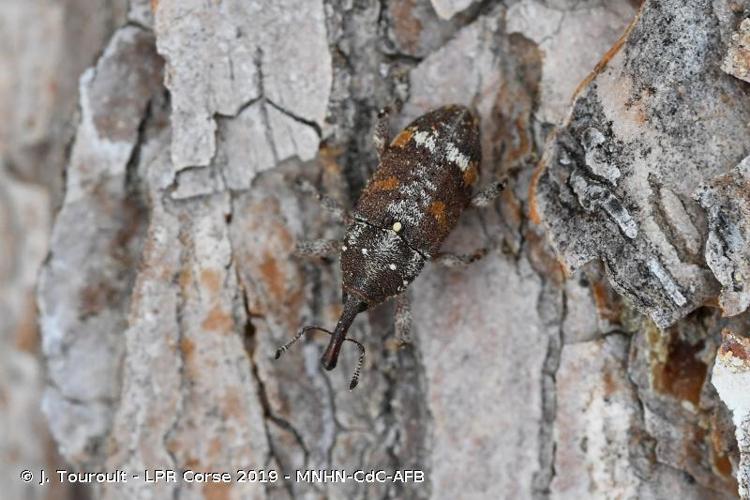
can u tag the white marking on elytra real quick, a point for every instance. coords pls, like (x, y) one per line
(457, 157)
(344, 248)
(407, 210)
(364, 251)
(405, 282)
(426, 139)
(392, 267)
(389, 245)
(417, 194)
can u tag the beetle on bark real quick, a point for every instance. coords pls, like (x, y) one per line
(408, 207)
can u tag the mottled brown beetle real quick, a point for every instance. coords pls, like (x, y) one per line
(408, 207)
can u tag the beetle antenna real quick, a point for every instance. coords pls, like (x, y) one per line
(360, 362)
(307, 329)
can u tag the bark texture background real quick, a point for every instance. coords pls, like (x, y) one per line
(148, 220)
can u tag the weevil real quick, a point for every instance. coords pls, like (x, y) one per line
(413, 200)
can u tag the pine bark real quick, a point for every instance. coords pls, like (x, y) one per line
(573, 361)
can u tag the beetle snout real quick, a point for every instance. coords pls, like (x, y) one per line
(328, 362)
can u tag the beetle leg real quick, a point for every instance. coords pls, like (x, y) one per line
(382, 134)
(317, 248)
(488, 194)
(402, 320)
(447, 259)
(328, 203)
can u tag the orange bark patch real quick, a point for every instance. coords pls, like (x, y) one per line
(610, 386)
(683, 374)
(272, 277)
(329, 158)
(96, 297)
(185, 278)
(210, 279)
(533, 205)
(511, 208)
(543, 259)
(518, 143)
(27, 335)
(470, 174)
(734, 346)
(402, 138)
(217, 491)
(524, 145)
(187, 347)
(387, 184)
(437, 209)
(215, 447)
(721, 447)
(602, 64)
(218, 321)
(722, 465)
(604, 306)
(407, 26)
(712, 302)
(641, 116)
(232, 403)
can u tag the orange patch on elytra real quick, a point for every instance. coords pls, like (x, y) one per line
(217, 320)
(402, 138)
(471, 174)
(437, 209)
(387, 184)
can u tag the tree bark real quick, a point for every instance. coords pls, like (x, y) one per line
(572, 361)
